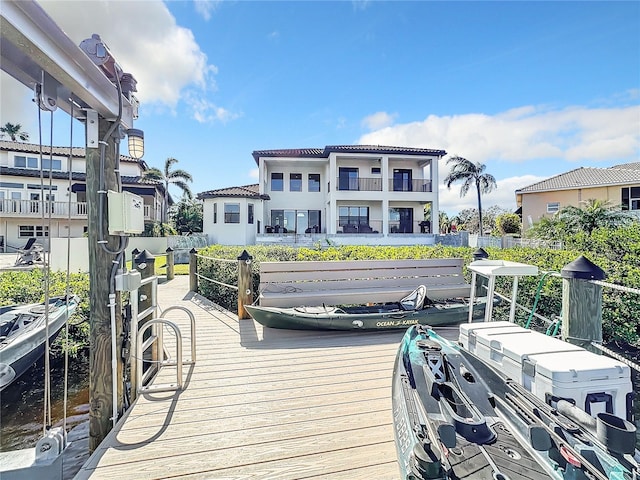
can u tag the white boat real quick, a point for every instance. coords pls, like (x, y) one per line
(23, 330)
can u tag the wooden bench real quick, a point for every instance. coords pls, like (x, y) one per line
(291, 284)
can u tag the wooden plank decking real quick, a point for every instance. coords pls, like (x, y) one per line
(263, 404)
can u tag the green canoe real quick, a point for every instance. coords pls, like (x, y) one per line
(411, 310)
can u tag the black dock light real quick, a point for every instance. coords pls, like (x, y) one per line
(584, 269)
(480, 254)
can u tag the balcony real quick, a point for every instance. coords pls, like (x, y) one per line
(60, 210)
(397, 185)
(375, 185)
(359, 184)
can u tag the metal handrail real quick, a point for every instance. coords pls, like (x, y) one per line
(139, 349)
(192, 335)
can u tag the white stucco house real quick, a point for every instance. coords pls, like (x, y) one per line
(349, 194)
(25, 200)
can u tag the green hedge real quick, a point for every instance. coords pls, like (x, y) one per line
(621, 311)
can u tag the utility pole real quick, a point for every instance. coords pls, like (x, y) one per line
(101, 262)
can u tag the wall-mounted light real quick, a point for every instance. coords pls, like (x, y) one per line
(136, 143)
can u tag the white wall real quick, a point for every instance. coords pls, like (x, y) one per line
(79, 248)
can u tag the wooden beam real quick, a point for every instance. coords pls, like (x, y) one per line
(101, 264)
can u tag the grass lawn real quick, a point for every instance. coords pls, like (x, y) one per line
(161, 267)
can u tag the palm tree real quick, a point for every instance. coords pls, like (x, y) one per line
(470, 173)
(177, 177)
(593, 214)
(14, 132)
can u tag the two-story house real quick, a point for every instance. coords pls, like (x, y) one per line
(23, 211)
(620, 185)
(350, 193)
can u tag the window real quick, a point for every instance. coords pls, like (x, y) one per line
(250, 213)
(353, 216)
(51, 164)
(25, 162)
(314, 182)
(553, 207)
(215, 213)
(28, 231)
(375, 170)
(295, 182)
(347, 178)
(630, 198)
(231, 213)
(402, 180)
(277, 182)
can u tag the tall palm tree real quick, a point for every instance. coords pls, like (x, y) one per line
(177, 177)
(470, 174)
(14, 132)
(593, 214)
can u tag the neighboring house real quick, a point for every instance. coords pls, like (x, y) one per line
(619, 185)
(354, 194)
(21, 191)
(231, 216)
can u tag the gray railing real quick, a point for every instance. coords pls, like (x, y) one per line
(396, 185)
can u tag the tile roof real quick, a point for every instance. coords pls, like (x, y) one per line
(61, 151)
(324, 152)
(588, 177)
(75, 176)
(246, 191)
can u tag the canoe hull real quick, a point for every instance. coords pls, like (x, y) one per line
(292, 319)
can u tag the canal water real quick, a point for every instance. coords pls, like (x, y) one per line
(21, 413)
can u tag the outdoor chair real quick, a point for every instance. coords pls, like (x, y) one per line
(31, 253)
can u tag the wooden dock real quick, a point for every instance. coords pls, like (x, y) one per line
(260, 403)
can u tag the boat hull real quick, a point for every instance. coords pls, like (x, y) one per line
(301, 319)
(19, 353)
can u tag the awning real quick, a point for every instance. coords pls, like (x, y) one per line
(81, 187)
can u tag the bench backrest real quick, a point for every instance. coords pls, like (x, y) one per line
(357, 276)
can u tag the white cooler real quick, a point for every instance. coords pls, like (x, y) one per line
(469, 332)
(507, 350)
(594, 382)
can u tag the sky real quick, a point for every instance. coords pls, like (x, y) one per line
(529, 89)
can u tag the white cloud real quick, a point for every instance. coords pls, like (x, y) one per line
(254, 173)
(164, 57)
(577, 134)
(378, 120)
(503, 196)
(205, 7)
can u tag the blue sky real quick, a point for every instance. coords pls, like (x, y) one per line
(531, 89)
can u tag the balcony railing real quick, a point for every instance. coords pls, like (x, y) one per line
(31, 208)
(375, 185)
(373, 226)
(360, 184)
(409, 185)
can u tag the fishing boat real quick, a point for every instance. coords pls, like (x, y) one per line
(457, 417)
(23, 331)
(413, 309)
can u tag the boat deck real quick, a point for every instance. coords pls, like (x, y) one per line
(260, 403)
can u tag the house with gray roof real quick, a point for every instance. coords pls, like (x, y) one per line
(619, 185)
(25, 200)
(347, 194)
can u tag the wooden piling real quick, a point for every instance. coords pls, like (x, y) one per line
(193, 270)
(170, 263)
(245, 291)
(101, 265)
(582, 303)
(145, 263)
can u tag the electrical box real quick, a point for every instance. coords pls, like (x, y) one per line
(126, 213)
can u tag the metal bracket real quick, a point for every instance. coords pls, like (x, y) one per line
(92, 129)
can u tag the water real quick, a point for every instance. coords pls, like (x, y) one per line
(21, 413)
